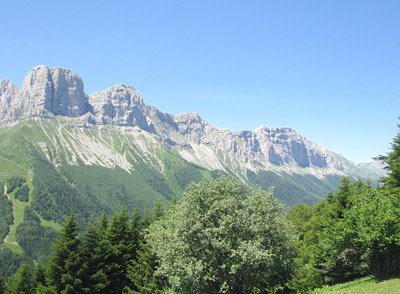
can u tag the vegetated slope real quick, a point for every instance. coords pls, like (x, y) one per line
(89, 170)
(363, 286)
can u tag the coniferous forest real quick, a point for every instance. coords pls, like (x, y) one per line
(221, 237)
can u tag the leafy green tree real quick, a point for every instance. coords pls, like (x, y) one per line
(223, 238)
(64, 261)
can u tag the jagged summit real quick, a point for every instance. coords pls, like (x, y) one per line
(49, 92)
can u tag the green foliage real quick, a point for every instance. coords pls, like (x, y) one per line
(2, 285)
(6, 216)
(64, 261)
(35, 239)
(10, 262)
(54, 198)
(39, 277)
(392, 159)
(223, 238)
(22, 282)
(95, 252)
(142, 272)
(14, 182)
(123, 240)
(22, 194)
(354, 232)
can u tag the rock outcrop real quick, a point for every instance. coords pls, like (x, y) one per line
(121, 105)
(8, 95)
(53, 92)
(56, 91)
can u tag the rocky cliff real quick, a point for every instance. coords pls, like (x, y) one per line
(46, 92)
(57, 92)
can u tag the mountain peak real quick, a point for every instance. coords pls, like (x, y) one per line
(53, 91)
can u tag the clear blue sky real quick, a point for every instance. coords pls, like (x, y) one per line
(328, 69)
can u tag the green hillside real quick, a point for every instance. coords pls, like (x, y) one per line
(50, 159)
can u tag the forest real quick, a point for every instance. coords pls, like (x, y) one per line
(220, 237)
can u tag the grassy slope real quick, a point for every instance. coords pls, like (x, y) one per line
(363, 286)
(112, 188)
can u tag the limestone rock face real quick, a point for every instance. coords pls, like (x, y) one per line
(69, 98)
(54, 91)
(121, 105)
(8, 101)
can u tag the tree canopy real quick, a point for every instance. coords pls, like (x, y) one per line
(223, 238)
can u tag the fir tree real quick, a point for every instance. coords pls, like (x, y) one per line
(392, 159)
(119, 235)
(64, 261)
(39, 277)
(22, 283)
(95, 251)
(142, 272)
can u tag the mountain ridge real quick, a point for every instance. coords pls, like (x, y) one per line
(57, 96)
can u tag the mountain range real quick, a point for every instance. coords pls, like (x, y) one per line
(111, 150)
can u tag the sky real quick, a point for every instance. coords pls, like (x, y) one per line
(328, 69)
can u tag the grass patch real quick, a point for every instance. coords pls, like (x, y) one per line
(18, 211)
(13, 247)
(363, 286)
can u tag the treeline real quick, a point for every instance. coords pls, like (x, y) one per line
(355, 232)
(100, 260)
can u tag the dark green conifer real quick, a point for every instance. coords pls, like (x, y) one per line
(2, 281)
(95, 252)
(119, 235)
(392, 159)
(22, 283)
(64, 261)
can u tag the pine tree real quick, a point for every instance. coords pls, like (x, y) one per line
(95, 251)
(64, 262)
(142, 272)
(22, 283)
(392, 159)
(119, 235)
(39, 278)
